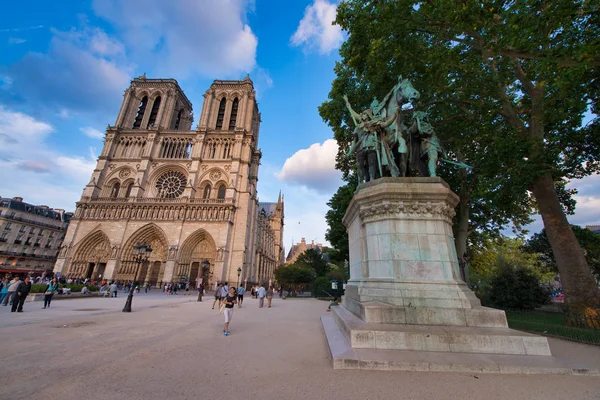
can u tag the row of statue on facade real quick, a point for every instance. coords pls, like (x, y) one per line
(384, 145)
(223, 213)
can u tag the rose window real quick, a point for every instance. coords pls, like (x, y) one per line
(170, 184)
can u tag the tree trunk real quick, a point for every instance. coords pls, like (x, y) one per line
(582, 295)
(462, 232)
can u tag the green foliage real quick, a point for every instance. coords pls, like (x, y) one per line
(515, 287)
(75, 288)
(485, 262)
(321, 287)
(507, 85)
(294, 275)
(339, 274)
(38, 288)
(312, 259)
(589, 241)
(336, 232)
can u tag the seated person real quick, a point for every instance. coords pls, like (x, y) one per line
(85, 290)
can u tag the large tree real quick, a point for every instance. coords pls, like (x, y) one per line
(589, 241)
(336, 232)
(508, 83)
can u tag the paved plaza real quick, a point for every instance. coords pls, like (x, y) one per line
(173, 347)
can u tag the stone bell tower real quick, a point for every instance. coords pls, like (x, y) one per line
(189, 193)
(155, 104)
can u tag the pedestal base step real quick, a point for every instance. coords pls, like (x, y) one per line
(454, 339)
(382, 313)
(345, 357)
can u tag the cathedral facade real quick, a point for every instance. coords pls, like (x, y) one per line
(190, 194)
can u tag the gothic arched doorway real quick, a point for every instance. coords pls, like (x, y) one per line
(198, 251)
(90, 257)
(152, 270)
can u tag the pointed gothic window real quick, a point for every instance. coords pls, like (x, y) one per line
(221, 192)
(115, 190)
(178, 120)
(206, 193)
(221, 114)
(129, 189)
(154, 112)
(234, 110)
(140, 114)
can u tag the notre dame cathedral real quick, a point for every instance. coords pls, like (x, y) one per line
(190, 194)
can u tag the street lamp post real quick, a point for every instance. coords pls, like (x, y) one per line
(239, 271)
(205, 267)
(141, 252)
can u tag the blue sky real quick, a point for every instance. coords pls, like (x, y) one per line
(64, 66)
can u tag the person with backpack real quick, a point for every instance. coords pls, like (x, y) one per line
(4, 290)
(240, 296)
(12, 289)
(229, 301)
(20, 295)
(261, 293)
(217, 295)
(51, 289)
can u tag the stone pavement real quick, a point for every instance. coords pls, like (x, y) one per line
(173, 347)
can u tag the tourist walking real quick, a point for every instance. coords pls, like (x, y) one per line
(113, 290)
(51, 289)
(4, 291)
(20, 295)
(253, 291)
(240, 294)
(12, 288)
(229, 302)
(218, 295)
(269, 296)
(261, 293)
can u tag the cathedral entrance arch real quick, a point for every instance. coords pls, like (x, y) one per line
(198, 250)
(152, 270)
(90, 256)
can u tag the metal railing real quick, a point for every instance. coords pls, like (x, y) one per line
(586, 329)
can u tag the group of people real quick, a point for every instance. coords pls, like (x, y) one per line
(173, 288)
(227, 297)
(14, 291)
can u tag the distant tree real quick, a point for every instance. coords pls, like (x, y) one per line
(294, 275)
(515, 287)
(313, 259)
(589, 241)
(321, 287)
(485, 262)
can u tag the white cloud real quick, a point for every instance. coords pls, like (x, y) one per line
(31, 169)
(91, 132)
(316, 29)
(313, 167)
(104, 45)
(203, 37)
(83, 70)
(5, 81)
(13, 40)
(305, 208)
(27, 28)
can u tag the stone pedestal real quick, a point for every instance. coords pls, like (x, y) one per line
(405, 293)
(403, 264)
